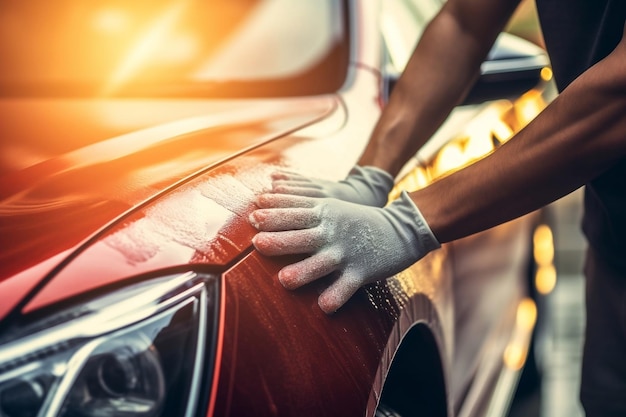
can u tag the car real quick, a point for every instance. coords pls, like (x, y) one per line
(136, 136)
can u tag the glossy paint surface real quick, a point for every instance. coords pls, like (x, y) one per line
(203, 222)
(170, 233)
(88, 182)
(144, 219)
(283, 356)
(266, 345)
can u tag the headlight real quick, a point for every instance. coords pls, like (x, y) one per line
(138, 352)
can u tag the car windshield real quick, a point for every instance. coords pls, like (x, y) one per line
(173, 47)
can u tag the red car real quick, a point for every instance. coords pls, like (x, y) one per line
(135, 136)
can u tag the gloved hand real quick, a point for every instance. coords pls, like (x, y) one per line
(364, 185)
(360, 244)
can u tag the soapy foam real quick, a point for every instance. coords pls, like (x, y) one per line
(228, 192)
(186, 218)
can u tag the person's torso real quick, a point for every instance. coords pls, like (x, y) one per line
(578, 34)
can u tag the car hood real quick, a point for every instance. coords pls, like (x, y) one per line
(70, 168)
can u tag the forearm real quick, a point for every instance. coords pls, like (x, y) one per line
(581, 134)
(439, 74)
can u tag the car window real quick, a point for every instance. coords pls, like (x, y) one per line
(216, 47)
(402, 23)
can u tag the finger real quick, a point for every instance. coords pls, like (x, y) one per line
(308, 270)
(276, 220)
(302, 191)
(295, 184)
(286, 175)
(290, 242)
(338, 293)
(270, 200)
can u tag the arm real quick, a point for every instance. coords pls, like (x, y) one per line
(345, 240)
(442, 69)
(581, 134)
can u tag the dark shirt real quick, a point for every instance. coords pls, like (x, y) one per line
(578, 34)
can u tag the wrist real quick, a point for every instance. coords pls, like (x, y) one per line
(424, 239)
(375, 181)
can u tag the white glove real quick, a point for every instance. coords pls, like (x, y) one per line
(364, 185)
(359, 244)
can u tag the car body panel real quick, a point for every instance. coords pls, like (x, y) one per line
(488, 283)
(128, 169)
(166, 233)
(337, 358)
(146, 188)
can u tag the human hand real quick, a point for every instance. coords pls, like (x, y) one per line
(357, 243)
(364, 185)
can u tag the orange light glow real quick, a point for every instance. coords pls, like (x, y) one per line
(545, 279)
(546, 74)
(416, 179)
(461, 152)
(450, 158)
(421, 177)
(478, 145)
(495, 125)
(145, 46)
(543, 245)
(514, 357)
(111, 21)
(502, 131)
(529, 106)
(179, 48)
(516, 351)
(526, 314)
(546, 276)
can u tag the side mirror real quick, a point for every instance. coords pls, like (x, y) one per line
(512, 67)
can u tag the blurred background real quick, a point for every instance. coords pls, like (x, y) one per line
(559, 355)
(560, 351)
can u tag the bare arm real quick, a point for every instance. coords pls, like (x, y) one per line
(580, 135)
(443, 67)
